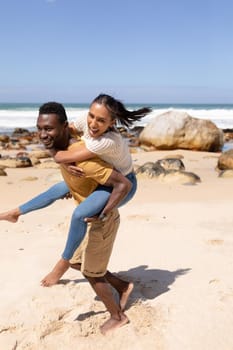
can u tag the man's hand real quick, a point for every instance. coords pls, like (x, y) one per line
(92, 219)
(74, 170)
(102, 217)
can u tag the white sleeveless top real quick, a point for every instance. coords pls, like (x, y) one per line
(110, 146)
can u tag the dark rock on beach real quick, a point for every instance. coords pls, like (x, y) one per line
(167, 170)
(4, 139)
(225, 161)
(2, 172)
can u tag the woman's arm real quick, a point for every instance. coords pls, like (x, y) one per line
(74, 131)
(76, 155)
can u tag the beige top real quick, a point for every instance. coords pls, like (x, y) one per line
(110, 147)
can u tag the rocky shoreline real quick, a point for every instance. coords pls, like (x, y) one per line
(22, 149)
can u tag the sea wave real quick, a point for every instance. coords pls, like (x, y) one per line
(11, 118)
(223, 118)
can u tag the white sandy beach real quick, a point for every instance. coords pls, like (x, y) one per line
(175, 243)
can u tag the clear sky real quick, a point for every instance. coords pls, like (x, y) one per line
(175, 51)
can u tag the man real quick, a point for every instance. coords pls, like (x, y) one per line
(54, 133)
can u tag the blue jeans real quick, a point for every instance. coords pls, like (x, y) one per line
(91, 206)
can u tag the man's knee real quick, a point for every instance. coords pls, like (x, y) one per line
(95, 280)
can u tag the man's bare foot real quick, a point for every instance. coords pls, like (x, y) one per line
(113, 323)
(54, 276)
(11, 215)
(124, 296)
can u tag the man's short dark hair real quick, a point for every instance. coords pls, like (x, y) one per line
(54, 108)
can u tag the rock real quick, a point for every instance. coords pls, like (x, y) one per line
(34, 160)
(24, 142)
(226, 173)
(178, 130)
(180, 176)
(150, 169)
(8, 162)
(4, 138)
(40, 154)
(147, 148)
(23, 162)
(228, 135)
(22, 154)
(225, 161)
(167, 170)
(14, 146)
(160, 166)
(2, 172)
(20, 132)
(48, 164)
(17, 162)
(171, 164)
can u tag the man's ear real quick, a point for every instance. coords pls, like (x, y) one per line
(65, 126)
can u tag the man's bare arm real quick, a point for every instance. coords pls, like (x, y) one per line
(121, 187)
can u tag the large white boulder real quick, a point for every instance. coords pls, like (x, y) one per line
(175, 129)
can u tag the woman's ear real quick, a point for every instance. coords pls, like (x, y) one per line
(113, 123)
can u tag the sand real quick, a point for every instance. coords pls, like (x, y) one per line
(175, 243)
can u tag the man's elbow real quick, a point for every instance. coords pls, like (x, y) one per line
(127, 186)
(58, 159)
(130, 185)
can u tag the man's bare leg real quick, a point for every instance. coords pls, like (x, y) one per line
(123, 288)
(57, 272)
(11, 215)
(117, 317)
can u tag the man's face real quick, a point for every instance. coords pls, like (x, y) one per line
(52, 133)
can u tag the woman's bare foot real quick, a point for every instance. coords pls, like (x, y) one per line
(54, 276)
(11, 215)
(124, 296)
(114, 323)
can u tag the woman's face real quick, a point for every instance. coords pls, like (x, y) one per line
(98, 120)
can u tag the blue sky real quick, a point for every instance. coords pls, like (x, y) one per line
(175, 51)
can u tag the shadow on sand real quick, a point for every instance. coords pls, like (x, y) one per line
(148, 284)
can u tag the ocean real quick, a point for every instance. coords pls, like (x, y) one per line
(24, 115)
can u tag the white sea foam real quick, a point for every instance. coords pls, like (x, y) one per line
(223, 118)
(26, 118)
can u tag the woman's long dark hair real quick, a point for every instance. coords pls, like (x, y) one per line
(118, 111)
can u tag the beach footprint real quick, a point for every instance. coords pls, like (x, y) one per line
(139, 217)
(215, 242)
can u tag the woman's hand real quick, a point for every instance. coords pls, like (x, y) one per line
(67, 196)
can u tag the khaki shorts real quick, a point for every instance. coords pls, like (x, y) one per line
(95, 251)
